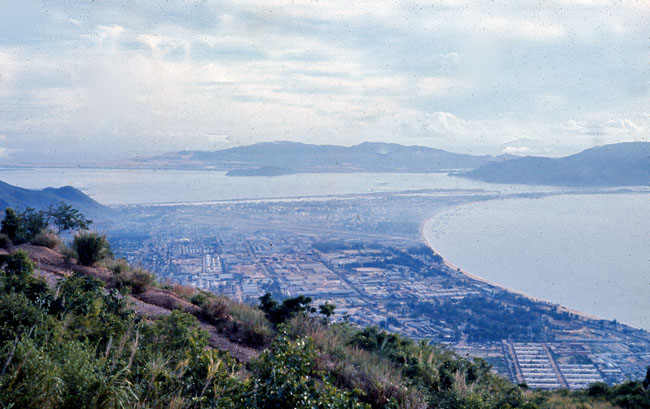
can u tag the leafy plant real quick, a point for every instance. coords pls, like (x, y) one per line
(46, 238)
(91, 247)
(65, 217)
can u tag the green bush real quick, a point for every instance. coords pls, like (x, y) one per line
(215, 309)
(68, 253)
(5, 241)
(241, 322)
(285, 376)
(252, 326)
(137, 280)
(46, 238)
(91, 247)
(11, 224)
(22, 227)
(17, 263)
(279, 313)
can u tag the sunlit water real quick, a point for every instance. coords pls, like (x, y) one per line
(587, 252)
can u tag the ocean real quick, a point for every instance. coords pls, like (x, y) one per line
(590, 253)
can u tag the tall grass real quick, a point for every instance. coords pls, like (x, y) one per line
(353, 368)
(91, 247)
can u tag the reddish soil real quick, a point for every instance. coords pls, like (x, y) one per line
(151, 304)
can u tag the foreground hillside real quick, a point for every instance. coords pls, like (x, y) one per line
(622, 164)
(108, 335)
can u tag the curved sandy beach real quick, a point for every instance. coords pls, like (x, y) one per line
(490, 283)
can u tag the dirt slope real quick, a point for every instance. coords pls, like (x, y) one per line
(150, 304)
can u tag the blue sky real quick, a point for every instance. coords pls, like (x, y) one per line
(111, 79)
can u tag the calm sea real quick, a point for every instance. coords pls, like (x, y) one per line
(113, 187)
(587, 252)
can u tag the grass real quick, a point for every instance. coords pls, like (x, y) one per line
(136, 279)
(91, 247)
(378, 378)
(241, 322)
(46, 238)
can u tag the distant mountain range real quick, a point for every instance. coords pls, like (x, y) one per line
(280, 158)
(621, 164)
(19, 198)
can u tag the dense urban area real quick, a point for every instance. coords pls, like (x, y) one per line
(365, 253)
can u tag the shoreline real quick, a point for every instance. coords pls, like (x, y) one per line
(474, 277)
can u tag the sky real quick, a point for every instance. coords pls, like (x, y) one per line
(97, 80)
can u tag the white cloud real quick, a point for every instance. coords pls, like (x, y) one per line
(517, 150)
(612, 126)
(110, 31)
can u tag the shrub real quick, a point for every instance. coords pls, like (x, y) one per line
(241, 322)
(186, 292)
(5, 241)
(285, 376)
(91, 247)
(125, 276)
(11, 224)
(278, 313)
(22, 227)
(68, 253)
(17, 263)
(138, 280)
(46, 238)
(118, 266)
(253, 326)
(200, 298)
(216, 309)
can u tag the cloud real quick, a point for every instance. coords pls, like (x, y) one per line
(112, 31)
(467, 76)
(517, 150)
(613, 126)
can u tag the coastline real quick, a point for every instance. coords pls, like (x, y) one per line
(474, 277)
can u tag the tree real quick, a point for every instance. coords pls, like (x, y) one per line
(65, 217)
(327, 309)
(32, 222)
(23, 226)
(267, 303)
(10, 224)
(279, 313)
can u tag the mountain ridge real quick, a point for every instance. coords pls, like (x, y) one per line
(296, 157)
(20, 198)
(621, 164)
